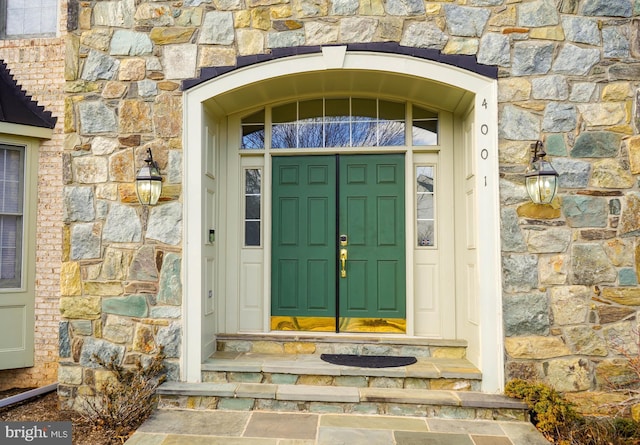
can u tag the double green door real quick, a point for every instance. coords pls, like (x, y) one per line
(338, 243)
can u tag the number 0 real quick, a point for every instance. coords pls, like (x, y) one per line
(484, 129)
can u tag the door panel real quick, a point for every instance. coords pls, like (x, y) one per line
(303, 247)
(367, 192)
(372, 296)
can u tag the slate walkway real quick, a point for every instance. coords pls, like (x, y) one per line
(184, 427)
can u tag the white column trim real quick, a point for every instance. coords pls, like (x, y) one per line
(191, 359)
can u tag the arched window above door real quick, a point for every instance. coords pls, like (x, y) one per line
(339, 122)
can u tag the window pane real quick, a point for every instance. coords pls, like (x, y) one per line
(252, 137)
(425, 179)
(364, 109)
(252, 204)
(423, 113)
(310, 135)
(337, 134)
(310, 109)
(10, 251)
(337, 107)
(13, 160)
(364, 134)
(255, 118)
(253, 131)
(10, 195)
(425, 233)
(284, 136)
(252, 233)
(425, 206)
(10, 180)
(285, 113)
(425, 133)
(15, 21)
(391, 110)
(48, 21)
(252, 181)
(390, 133)
(425, 126)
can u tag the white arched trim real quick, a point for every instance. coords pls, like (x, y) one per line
(224, 95)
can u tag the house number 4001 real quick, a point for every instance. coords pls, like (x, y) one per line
(484, 129)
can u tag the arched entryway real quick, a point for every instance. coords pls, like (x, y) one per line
(229, 282)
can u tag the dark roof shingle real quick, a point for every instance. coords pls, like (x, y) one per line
(16, 107)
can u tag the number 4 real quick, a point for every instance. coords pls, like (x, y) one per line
(484, 103)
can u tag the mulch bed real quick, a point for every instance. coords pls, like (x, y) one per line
(46, 408)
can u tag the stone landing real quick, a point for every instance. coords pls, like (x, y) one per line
(286, 373)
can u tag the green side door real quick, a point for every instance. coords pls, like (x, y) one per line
(316, 200)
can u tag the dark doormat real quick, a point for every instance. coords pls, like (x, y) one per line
(368, 361)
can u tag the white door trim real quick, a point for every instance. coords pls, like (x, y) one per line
(203, 96)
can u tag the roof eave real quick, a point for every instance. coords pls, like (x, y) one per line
(26, 130)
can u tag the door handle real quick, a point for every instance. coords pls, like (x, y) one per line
(343, 263)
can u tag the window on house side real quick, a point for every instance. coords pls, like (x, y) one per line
(28, 18)
(11, 215)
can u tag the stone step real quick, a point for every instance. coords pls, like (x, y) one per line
(301, 343)
(323, 399)
(309, 369)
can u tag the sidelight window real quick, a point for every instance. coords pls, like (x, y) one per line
(252, 206)
(425, 205)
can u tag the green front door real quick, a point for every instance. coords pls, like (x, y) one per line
(324, 206)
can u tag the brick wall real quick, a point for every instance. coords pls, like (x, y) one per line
(38, 66)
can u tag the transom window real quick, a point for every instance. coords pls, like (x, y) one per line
(339, 122)
(28, 18)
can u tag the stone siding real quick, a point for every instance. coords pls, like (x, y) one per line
(569, 74)
(38, 67)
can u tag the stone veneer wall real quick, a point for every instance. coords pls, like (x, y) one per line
(569, 74)
(38, 67)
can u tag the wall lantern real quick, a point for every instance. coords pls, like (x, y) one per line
(149, 181)
(540, 178)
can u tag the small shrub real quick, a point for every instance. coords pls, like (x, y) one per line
(625, 427)
(561, 424)
(124, 402)
(630, 386)
(549, 410)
